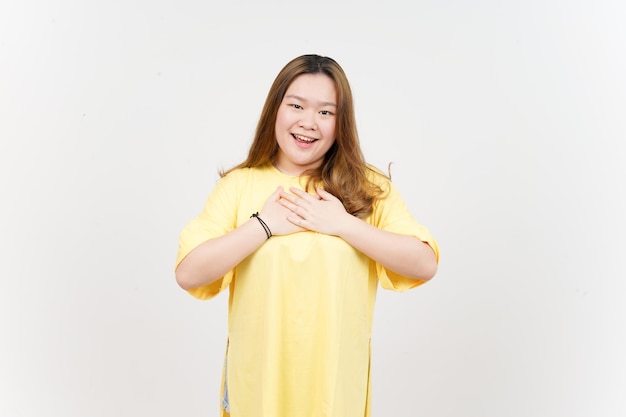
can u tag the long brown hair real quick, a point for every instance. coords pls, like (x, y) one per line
(344, 172)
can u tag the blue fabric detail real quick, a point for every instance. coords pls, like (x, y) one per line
(225, 403)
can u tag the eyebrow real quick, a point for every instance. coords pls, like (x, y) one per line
(322, 103)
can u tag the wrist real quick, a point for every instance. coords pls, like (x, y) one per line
(264, 225)
(347, 224)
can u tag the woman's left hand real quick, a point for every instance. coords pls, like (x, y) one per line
(323, 212)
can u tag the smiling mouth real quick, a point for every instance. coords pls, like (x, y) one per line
(303, 139)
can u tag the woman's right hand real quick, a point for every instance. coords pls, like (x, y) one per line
(275, 215)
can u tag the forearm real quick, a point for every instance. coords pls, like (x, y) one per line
(403, 254)
(212, 259)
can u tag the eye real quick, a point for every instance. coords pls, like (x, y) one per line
(296, 106)
(326, 113)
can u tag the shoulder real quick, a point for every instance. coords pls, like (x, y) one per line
(377, 177)
(243, 174)
(243, 178)
(389, 195)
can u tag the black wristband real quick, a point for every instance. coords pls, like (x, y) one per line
(268, 232)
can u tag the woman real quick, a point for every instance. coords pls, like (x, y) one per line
(301, 233)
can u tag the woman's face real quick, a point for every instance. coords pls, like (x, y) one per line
(305, 123)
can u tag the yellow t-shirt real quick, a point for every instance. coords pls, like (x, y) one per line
(300, 306)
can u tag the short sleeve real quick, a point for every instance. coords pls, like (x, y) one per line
(217, 218)
(392, 214)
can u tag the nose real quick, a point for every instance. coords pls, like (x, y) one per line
(307, 120)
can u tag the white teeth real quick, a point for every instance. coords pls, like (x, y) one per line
(303, 138)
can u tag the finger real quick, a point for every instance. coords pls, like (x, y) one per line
(297, 220)
(276, 194)
(325, 195)
(286, 196)
(288, 204)
(301, 193)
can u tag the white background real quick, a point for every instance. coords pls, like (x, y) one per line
(505, 123)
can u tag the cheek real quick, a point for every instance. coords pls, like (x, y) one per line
(329, 129)
(284, 119)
